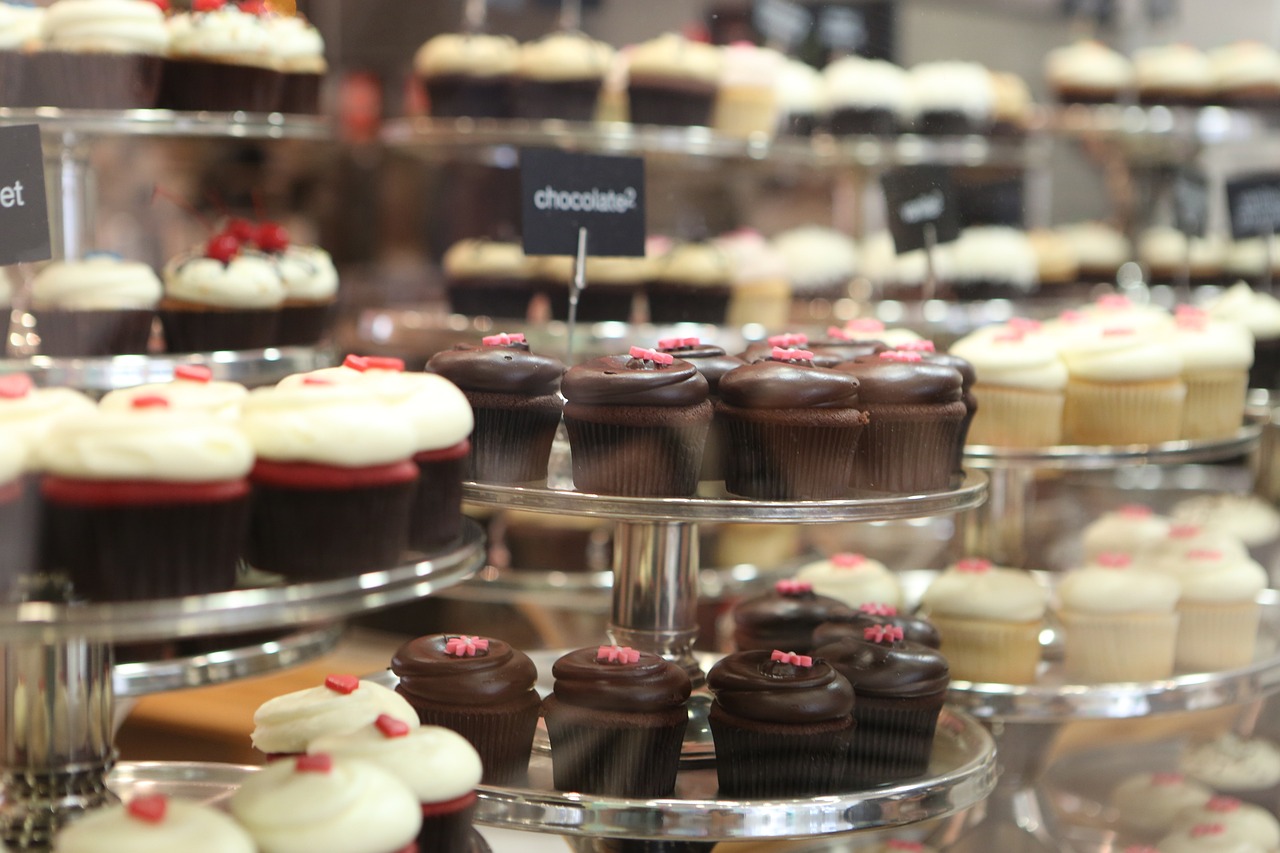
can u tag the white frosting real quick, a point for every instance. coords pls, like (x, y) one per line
(98, 283)
(437, 764)
(1244, 64)
(867, 582)
(1013, 101)
(1119, 590)
(995, 253)
(146, 444)
(1244, 821)
(672, 55)
(1003, 595)
(107, 26)
(1258, 312)
(859, 83)
(1190, 840)
(912, 268)
(1118, 532)
(188, 827)
(289, 723)
(344, 425)
(1027, 362)
(1150, 802)
(248, 282)
(20, 26)
(355, 807)
(1247, 517)
(1233, 763)
(1106, 356)
(486, 258)
(476, 55)
(1249, 257)
(800, 89)
(1111, 313)
(1181, 550)
(31, 417)
(963, 87)
(1173, 66)
(307, 273)
(1088, 65)
(748, 66)
(1214, 345)
(1164, 247)
(696, 264)
(564, 56)
(1228, 580)
(13, 455)
(216, 399)
(751, 257)
(296, 44)
(225, 34)
(1096, 245)
(817, 257)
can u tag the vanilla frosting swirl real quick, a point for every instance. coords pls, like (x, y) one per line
(962, 87)
(346, 425)
(106, 26)
(1119, 590)
(673, 55)
(307, 273)
(97, 283)
(20, 26)
(853, 81)
(998, 594)
(1233, 763)
(13, 455)
(1173, 66)
(475, 55)
(186, 826)
(217, 399)
(249, 281)
(437, 764)
(32, 415)
(1244, 64)
(1088, 64)
(1213, 345)
(564, 56)
(1258, 312)
(224, 34)
(1121, 355)
(1012, 361)
(486, 258)
(855, 582)
(1224, 581)
(296, 44)
(289, 723)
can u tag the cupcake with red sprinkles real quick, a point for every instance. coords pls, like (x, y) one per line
(154, 822)
(287, 725)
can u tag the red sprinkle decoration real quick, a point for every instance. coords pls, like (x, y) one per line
(916, 346)
(790, 339)
(781, 354)
(1118, 332)
(617, 654)
(678, 343)
(321, 762)
(900, 356)
(791, 586)
(316, 380)
(502, 340)
(149, 401)
(977, 565)
(791, 658)
(875, 608)
(1205, 829)
(1204, 554)
(864, 324)
(651, 355)
(465, 647)
(1114, 300)
(899, 844)
(390, 726)
(207, 5)
(193, 373)
(1167, 778)
(1223, 805)
(150, 808)
(1135, 511)
(1184, 531)
(15, 386)
(344, 684)
(1114, 560)
(1024, 324)
(385, 362)
(882, 633)
(847, 560)
(356, 362)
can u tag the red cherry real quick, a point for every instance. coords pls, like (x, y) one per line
(240, 228)
(254, 7)
(222, 247)
(271, 237)
(149, 809)
(207, 5)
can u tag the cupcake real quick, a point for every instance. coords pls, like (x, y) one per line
(673, 81)
(1099, 249)
(1057, 266)
(221, 59)
(989, 619)
(1019, 385)
(761, 291)
(839, 346)
(1242, 768)
(713, 363)
(900, 687)
(298, 48)
(437, 765)
(637, 424)
(853, 579)
(17, 526)
(1173, 74)
(193, 389)
(1218, 610)
(1012, 107)
(1249, 518)
(1260, 314)
(20, 33)
(334, 480)
(1216, 358)
(221, 298)
(1169, 255)
(317, 802)
(782, 723)
(310, 288)
(559, 76)
(480, 688)
(1251, 260)
(873, 615)
(612, 286)
(692, 285)
(787, 616)
(1149, 803)
(154, 822)
(1247, 822)
(747, 103)
(865, 96)
(1129, 529)
(467, 74)
(101, 55)
(32, 412)
(821, 262)
(791, 428)
(1246, 74)
(949, 98)
(1183, 547)
(1208, 837)
(1120, 621)
(288, 724)
(147, 503)
(802, 99)
(616, 719)
(101, 305)
(488, 277)
(1088, 72)
(993, 262)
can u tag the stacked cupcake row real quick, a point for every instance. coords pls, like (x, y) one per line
(128, 54)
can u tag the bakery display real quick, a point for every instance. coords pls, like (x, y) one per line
(101, 305)
(220, 59)
(287, 725)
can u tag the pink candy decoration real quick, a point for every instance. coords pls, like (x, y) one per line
(1010, 337)
(976, 565)
(882, 633)
(1024, 324)
(344, 684)
(319, 763)
(900, 356)
(864, 324)
(1206, 829)
(1183, 531)
(1167, 779)
(1113, 560)
(847, 561)
(356, 362)
(150, 808)
(15, 386)
(651, 355)
(465, 647)
(390, 726)
(193, 373)
(1118, 332)
(836, 333)
(1114, 301)
(791, 586)
(617, 654)
(1135, 511)
(791, 658)
(916, 346)
(502, 340)
(790, 339)
(1072, 317)
(1223, 805)
(908, 846)
(1204, 554)
(780, 354)
(149, 401)
(875, 608)
(678, 343)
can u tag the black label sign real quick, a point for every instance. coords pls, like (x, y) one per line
(1253, 202)
(992, 203)
(24, 213)
(1191, 202)
(920, 198)
(563, 192)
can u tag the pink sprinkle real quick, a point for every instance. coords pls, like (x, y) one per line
(149, 401)
(1009, 338)
(15, 386)
(899, 844)
(617, 654)
(780, 354)
(316, 380)
(900, 356)
(790, 339)
(1025, 324)
(1204, 554)
(1114, 301)
(356, 362)
(385, 362)
(1135, 511)
(976, 565)
(651, 355)
(390, 726)
(1073, 317)
(836, 333)
(344, 684)
(193, 373)
(465, 647)
(882, 633)
(1184, 531)
(1114, 560)
(1206, 829)
(1190, 311)
(321, 762)
(1164, 779)
(864, 324)
(503, 339)
(916, 346)
(1118, 332)
(678, 343)
(1192, 324)
(791, 586)
(847, 561)
(791, 658)
(1223, 804)
(150, 808)
(875, 608)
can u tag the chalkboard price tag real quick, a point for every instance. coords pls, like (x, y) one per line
(24, 212)
(562, 192)
(920, 198)
(1253, 202)
(1191, 202)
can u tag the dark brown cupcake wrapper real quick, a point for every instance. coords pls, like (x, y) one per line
(1265, 372)
(512, 439)
(303, 325)
(570, 100)
(19, 538)
(893, 739)
(503, 734)
(595, 304)
(94, 81)
(491, 297)
(300, 93)
(788, 461)
(767, 761)
(455, 95)
(624, 756)
(677, 303)
(195, 84)
(205, 331)
(638, 461)
(670, 106)
(853, 121)
(94, 333)
(436, 517)
(908, 449)
(447, 833)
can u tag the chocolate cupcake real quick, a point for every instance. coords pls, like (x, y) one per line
(967, 377)
(872, 615)
(782, 724)
(900, 687)
(637, 424)
(467, 74)
(20, 28)
(488, 277)
(713, 363)
(99, 306)
(220, 298)
(840, 346)
(692, 285)
(513, 394)
(616, 718)
(560, 76)
(784, 618)
(673, 81)
(220, 59)
(613, 284)
(865, 96)
(100, 55)
(480, 688)
(298, 49)
(950, 98)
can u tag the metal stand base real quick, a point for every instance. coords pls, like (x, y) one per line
(628, 845)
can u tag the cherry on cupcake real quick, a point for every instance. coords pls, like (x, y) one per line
(222, 247)
(207, 5)
(271, 237)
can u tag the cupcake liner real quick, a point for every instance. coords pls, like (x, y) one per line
(790, 455)
(94, 333)
(760, 760)
(1173, 98)
(988, 651)
(16, 67)
(446, 832)
(892, 738)
(318, 534)
(947, 123)
(908, 448)
(300, 93)
(491, 297)
(19, 534)
(1265, 372)
(1016, 417)
(511, 442)
(502, 734)
(436, 518)
(303, 324)
(653, 451)
(95, 81)
(743, 110)
(597, 304)
(455, 95)
(127, 553)
(1215, 403)
(614, 753)
(204, 85)
(195, 330)
(570, 100)
(1215, 636)
(800, 124)
(1085, 95)
(674, 105)
(855, 121)
(671, 302)
(1102, 647)
(1122, 412)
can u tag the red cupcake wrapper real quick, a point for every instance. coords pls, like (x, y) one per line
(124, 493)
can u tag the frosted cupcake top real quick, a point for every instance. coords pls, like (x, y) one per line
(1173, 66)
(853, 579)
(1184, 548)
(20, 26)
(1208, 838)
(1089, 65)
(192, 389)
(1249, 256)
(435, 763)
(154, 824)
(800, 89)
(673, 55)
(1243, 64)
(30, 412)
(1121, 354)
(296, 44)
(1249, 518)
(1096, 245)
(1243, 820)
(1126, 530)
(247, 281)
(1233, 763)
(1113, 586)
(97, 283)
(13, 455)
(307, 273)
(1214, 577)
(1206, 344)
(996, 253)
(962, 87)
(563, 57)
(1258, 312)
(106, 26)
(482, 258)
(1012, 360)
(226, 34)
(859, 83)
(974, 589)
(1164, 247)
(1150, 801)
(475, 55)
(817, 257)
(289, 723)
(696, 264)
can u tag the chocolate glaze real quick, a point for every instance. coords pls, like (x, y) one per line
(899, 668)
(783, 622)
(651, 684)
(501, 369)
(750, 685)
(711, 361)
(492, 677)
(620, 380)
(773, 384)
(761, 350)
(904, 382)
(913, 629)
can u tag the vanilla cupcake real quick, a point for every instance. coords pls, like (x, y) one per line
(761, 290)
(993, 262)
(1246, 74)
(1057, 266)
(802, 98)
(1244, 768)
(1218, 610)
(1174, 74)
(1012, 105)
(1130, 529)
(288, 724)
(1099, 249)
(1243, 821)
(1249, 518)
(489, 277)
(1216, 357)
(298, 48)
(1249, 259)
(1168, 255)
(221, 60)
(467, 74)
(1179, 551)
(865, 95)
(1149, 803)
(1208, 838)
(101, 305)
(950, 98)
(1019, 384)
(1260, 314)
(1088, 72)
(821, 262)
(747, 103)
(101, 54)
(673, 81)
(193, 389)
(154, 822)
(853, 579)
(560, 76)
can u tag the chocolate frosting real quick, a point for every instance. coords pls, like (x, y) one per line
(841, 351)
(620, 380)
(899, 668)
(913, 629)
(904, 381)
(750, 685)
(761, 350)
(711, 361)
(498, 675)
(501, 369)
(784, 385)
(784, 622)
(650, 684)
